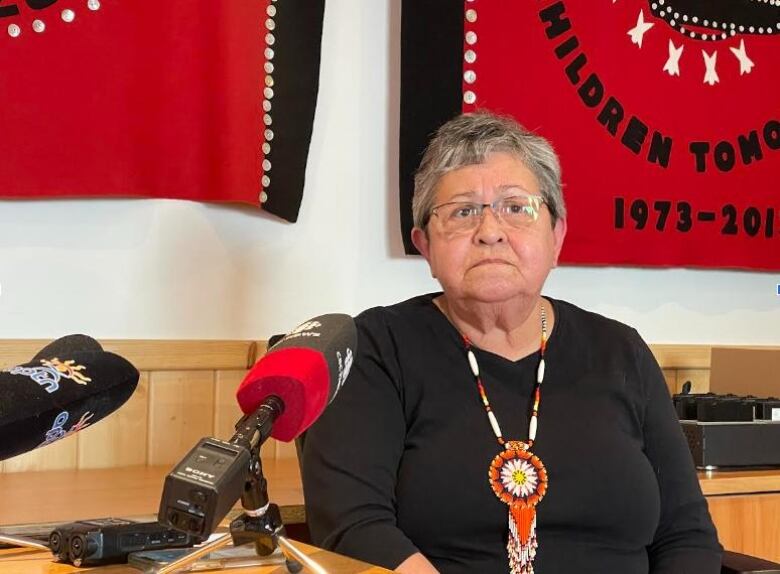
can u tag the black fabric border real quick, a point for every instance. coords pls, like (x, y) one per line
(297, 49)
(431, 86)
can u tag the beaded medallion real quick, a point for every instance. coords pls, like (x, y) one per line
(517, 476)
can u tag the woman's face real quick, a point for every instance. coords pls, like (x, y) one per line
(493, 262)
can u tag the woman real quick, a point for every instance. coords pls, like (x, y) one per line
(490, 429)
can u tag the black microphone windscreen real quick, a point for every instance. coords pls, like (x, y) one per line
(66, 345)
(49, 399)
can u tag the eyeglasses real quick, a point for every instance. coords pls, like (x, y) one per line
(518, 211)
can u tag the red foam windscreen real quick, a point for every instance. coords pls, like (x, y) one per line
(298, 376)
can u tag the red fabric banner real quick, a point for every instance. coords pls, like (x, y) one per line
(142, 98)
(664, 113)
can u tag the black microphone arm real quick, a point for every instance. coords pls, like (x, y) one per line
(253, 430)
(202, 488)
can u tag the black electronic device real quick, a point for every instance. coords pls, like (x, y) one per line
(730, 431)
(768, 409)
(713, 407)
(203, 487)
(733, 444)
(110, 540)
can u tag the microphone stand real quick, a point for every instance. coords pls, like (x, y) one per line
(259, 524)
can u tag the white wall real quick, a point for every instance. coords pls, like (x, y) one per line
(172, 269)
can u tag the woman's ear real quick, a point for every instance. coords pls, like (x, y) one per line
(421, 242)
(559, 233)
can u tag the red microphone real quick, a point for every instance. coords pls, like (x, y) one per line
(305, 369)
(281, 396)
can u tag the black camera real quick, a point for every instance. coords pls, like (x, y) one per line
(110, 540)
(202, 488)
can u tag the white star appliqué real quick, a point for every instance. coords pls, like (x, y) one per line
(672, 65)
(745, 63)
(710, 62)
(638, 31)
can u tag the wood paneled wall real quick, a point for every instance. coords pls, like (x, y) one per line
(682, 363)
(187, 391)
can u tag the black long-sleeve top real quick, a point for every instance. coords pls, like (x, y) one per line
(398, 463)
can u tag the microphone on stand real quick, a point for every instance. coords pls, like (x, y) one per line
(282, 395)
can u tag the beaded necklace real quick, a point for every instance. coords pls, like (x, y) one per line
(517, 476)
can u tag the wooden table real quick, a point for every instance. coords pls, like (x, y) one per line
(64, 496)
(745, 505)
(717, 483)
(16, 561)
(68, 495)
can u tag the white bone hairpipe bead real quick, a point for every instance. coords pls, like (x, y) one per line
(540, 372)
(473, 363)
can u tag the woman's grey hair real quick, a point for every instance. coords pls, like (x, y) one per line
(467, 140)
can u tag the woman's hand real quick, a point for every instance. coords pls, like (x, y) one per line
(416, 564)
